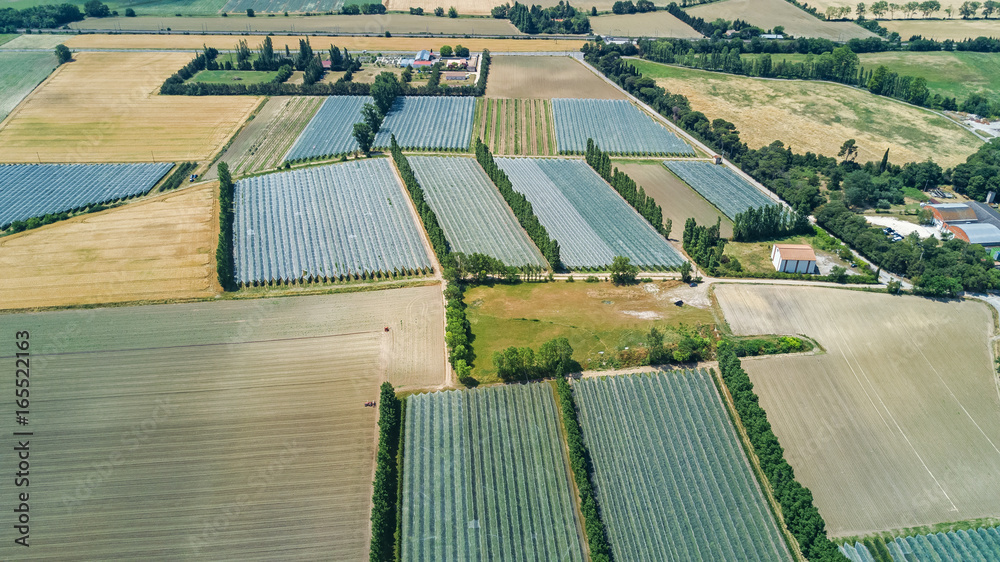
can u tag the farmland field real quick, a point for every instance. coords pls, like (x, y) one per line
(482, 7)
(956, 30)
(978, 544)
(19, 74)
(328, 222)
(159, 248)
(818, 117)
(617, 126)
(35, 41)
(678, 200)
(598, 319)
(327, 24)
(723, 187)
(516, 126)
(278, 6)
(663, 446)
(429, 123)
(768, 13)
(545, 77)
(895, 426)
(229, 76)
(473, 214)
(822, 5)
(592, 223)
(166, 8)
(660, 23)
(103, 107)
(330, 132)
(263, 142)
(34, 190)
(485, 477)
(194, 431)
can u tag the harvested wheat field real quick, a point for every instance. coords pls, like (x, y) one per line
(656, 24)
(678, 200)
(262, 144)
(898, 423)
(483, 7)
(822, 5)
(768, 13)
(318, 42)
(156, 249)
(818, 116)
(103, 107)
(940, 30)
(228, 430)
(546, 77)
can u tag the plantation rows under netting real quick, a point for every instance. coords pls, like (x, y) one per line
(329, 222)
(35, 190)
(592, 223)
(980, 544)
(485, 478)
(331, 131)
(723, 187)
(617, 126)
(672, 479)
(473, 214)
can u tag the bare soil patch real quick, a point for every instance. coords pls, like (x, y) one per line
(898, 423)
(660, 23)
(545, 77)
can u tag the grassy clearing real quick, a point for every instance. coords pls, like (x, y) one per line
(895, 425)
(952, 74)
(818, 116)
(230, 76)
(940, 30)
(678, 200)
(376, 44)
(103, 107)
(545, 77)
(657, 24)
(521, 126)
(19, 74)
(5, 37)
(594, 317)
(158, 249)
(231, 418)
(769, 13)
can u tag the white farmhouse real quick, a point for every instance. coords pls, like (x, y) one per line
(794, 258)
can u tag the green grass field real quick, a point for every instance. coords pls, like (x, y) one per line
(19, 74)
(233, 76)
(4, 37)
(954, 74)
(142, 8)
(594, 317)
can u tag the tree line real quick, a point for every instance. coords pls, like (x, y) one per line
(520, 205)
(385, 491)
(224, 260)
(561, 18)
(583, 474)
(636, 196)
(800, 515)
(48, 16)
(797, 178)
(772, 221)
(554, 359)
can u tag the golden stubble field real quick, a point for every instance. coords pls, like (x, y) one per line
(228, 430)
(660, 23)
(898, 424)
(483, 7)
(678, 200)
(769, 13)
(546, 77)
(318, 43)
(104, 107)
(940, 30)
(159, 248)
(818, 116)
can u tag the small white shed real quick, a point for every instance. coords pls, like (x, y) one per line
(794, 258)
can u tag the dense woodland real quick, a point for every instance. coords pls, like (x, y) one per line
(561, 18)
(936, 269)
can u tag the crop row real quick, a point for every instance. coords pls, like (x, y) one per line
(723, 187)
(331, 130)
(472, 213)
(592, 223)
(981, 544)
(35, 190)
(485, 478)
(616, 126)
(429, 123)
(328, 222)
(672, 479)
